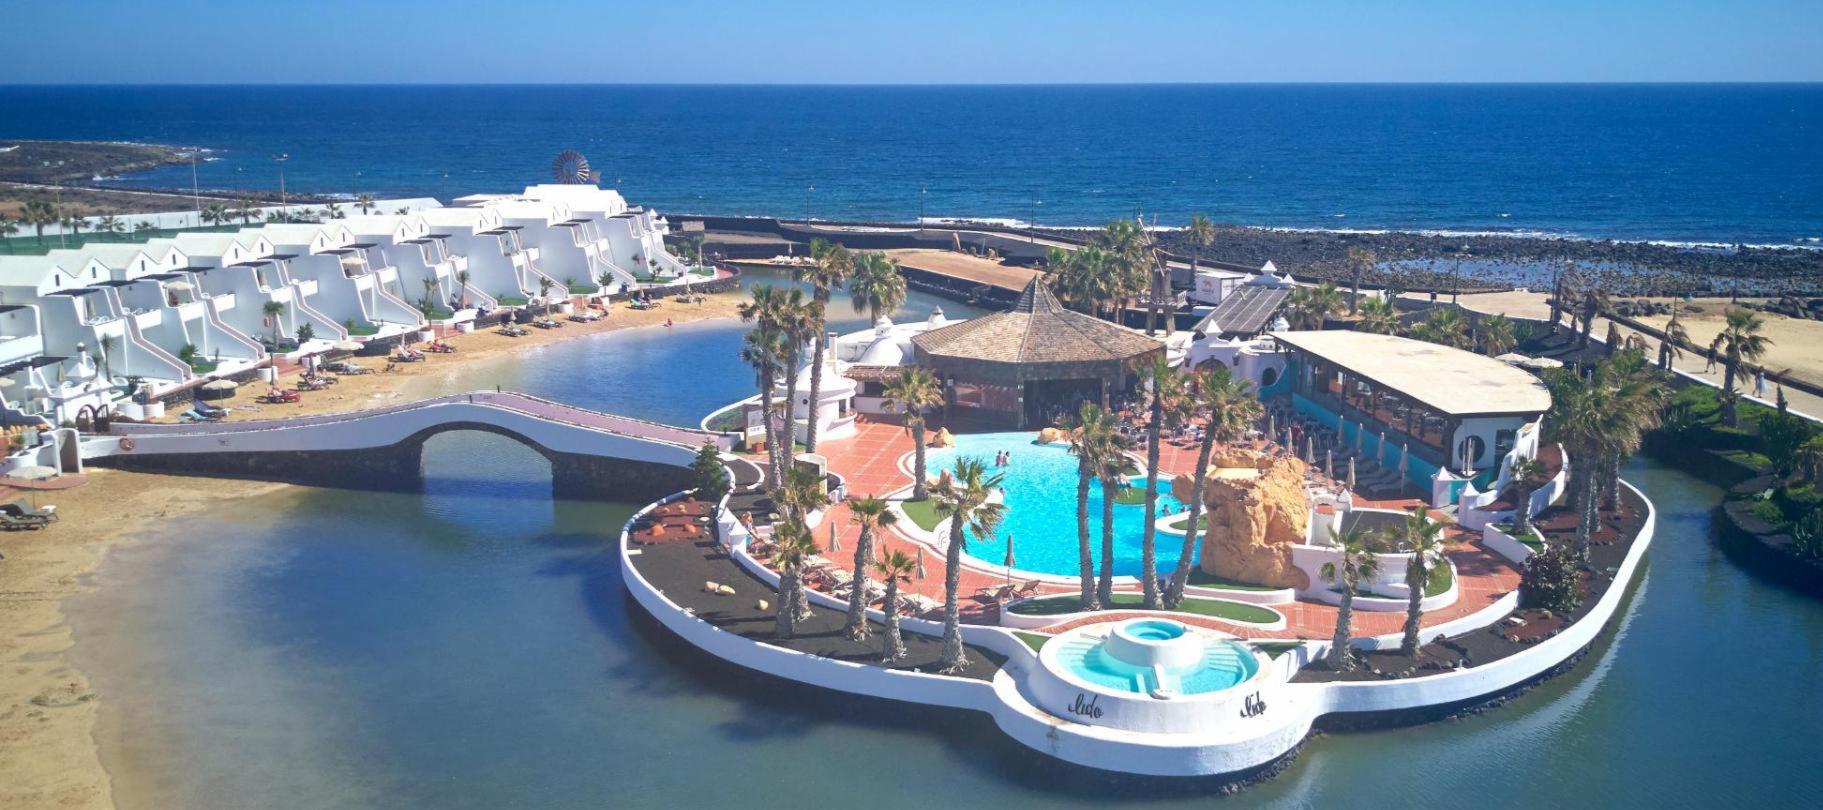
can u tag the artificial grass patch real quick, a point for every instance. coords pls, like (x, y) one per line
(1034, 640)
(1274, 649)
(1202, 579)
(1221, 609)
(1440, 580)
(923, 513)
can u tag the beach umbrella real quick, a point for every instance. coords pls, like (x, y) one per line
(1272, 424)
(33, 472)
(1009, 559)
(1329, 463)
(179, 286)
(919, 574)
(218, 389)
(1341, 427)
(835, 540)
(1351, 472)
(345, 346)
(1380, 449)
(1310, 449)
(1405, 449)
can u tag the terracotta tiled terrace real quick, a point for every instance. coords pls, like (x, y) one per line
(869, 462)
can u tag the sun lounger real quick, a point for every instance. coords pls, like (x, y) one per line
(31, 522)
(21, 509)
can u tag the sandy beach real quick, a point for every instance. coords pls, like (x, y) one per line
(48, 750)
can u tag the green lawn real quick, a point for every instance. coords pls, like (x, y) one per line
(1221, 609)
(1440, 580)
(1131, 497)
(1034, 640)
(1274, 649)
(583, 289)
(1202, 523)
(439, 315)
(362, 331)
(923, 513)
(510, 301)
(1206, 580)
(201, 366)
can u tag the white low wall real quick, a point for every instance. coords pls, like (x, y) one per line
(1263, 729)
(1505, 544)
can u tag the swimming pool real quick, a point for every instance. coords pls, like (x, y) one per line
(1151, 656)
(1040, 494)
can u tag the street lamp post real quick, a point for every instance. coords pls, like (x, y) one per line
(284, 202)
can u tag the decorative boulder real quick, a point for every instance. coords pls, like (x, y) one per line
(943, 439)
(1254, 518)
(1050, 435)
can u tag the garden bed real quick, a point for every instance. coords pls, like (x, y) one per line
(1066, 604)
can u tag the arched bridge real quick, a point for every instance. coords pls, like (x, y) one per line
(593, 455)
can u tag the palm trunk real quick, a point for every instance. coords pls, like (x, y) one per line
(1728, 402)
(954, 659)
(1415, 578)
(795, 355)
(1585, 498)
(787, 618)
(1148, 551)
(816, 392)
(772, 440)
(894, 647)
(1610, 483)
(857, 599)
(1522, 510)
(1085, 554)
(1339, 658)
(920, 490)
(800, 599)
(1104, 590)
(1175, 593)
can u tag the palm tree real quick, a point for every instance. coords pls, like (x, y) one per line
(791, 546)
(462, 285)
(544, 293)
(1110, 456)
(365, 202)
(1355, 561)
(1232, 408)
(1167, 404)
(273, 310)
(1637, 400)
(1671, 348)
(110, 225)
(1497, 336)
(877, 286)
(143, 225)
(1422, 537)
(1201, 234)
(1526, 474)
(1739, 341)
(246, 209)
(40, 214)
(762, 350)
(1593, 302)
(833, 265)
(1379, 317)
(1309, 307)
(8, 227)
(1444, 325)
(873, 515)
(895, 567)
(1088, 432)
(1360, 260)
(915, 391)
(963, 497)
(1130, 265)
(215, 214)
(801, 492)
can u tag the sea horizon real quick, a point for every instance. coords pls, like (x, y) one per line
(1679, 163)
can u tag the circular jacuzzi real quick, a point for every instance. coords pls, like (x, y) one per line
(1152, 674)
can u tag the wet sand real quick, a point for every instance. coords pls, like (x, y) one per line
(49, 751)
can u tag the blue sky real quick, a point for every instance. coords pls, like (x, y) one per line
(927, 41)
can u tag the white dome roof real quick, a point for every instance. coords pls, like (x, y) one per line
(885, 351)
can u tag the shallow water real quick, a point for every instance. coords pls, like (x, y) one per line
(473, 647)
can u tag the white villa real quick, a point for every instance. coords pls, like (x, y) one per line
(244, 277)
(428, 275)
(499, 264)
(354, 285)
(171, 313)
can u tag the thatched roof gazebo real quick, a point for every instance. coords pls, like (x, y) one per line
(1032, 358)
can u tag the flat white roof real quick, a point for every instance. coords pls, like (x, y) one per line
(1451, 381)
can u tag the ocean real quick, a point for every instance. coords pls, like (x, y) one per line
(1706, 163)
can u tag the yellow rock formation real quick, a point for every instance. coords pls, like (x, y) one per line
(1253, 518)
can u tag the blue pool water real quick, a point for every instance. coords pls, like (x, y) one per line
(1224, 664)
(1040, 493)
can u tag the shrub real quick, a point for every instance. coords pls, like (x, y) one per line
(1549, 582)
(1782, 436)
(710, 476)
(1807, 536)
(1769, 512)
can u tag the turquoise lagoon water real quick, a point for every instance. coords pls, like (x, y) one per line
(1040, 494)
(472, 647)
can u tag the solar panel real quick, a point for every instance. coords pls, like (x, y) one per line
(1247, 310)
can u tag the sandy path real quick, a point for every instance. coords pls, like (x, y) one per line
(48, 753)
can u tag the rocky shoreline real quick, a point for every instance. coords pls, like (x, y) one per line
(1483, 261)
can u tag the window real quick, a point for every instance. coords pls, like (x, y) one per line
(1469, 450)
(1503, 442)
(1268, 377)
